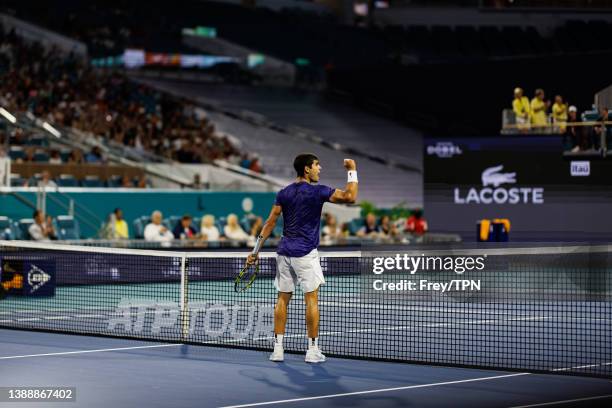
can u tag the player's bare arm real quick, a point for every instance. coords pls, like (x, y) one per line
(265, 233)
(349, 194)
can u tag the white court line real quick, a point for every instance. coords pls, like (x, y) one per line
(345, 394)
(418, 386)
(89, 351)
(584, 366)
(543, 404)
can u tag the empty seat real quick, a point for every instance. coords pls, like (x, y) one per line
(114, 181)
(139, 225)
(16, 152)
(41, 156)
(6, 228)
(67, 227)
(355, 225)
(67, 180)
(173, 221)
(23, 225)
(92, 181)
(65, 155)
(17, 180)
(36, 141)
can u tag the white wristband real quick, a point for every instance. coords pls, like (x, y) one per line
(351, 176)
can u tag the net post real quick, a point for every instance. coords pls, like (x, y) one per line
(184, 306)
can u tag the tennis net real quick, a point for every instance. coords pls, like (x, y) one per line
(545, 309)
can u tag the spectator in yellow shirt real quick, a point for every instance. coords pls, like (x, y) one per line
(559, 113)
(521, 108)
(539, 106)
(121, 227)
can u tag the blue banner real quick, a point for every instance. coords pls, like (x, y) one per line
(31, 277)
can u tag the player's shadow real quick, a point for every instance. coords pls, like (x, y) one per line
(316, 380)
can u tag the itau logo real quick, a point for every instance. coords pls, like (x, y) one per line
(493, 192)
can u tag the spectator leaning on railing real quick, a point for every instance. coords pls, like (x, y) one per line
(521, 107)
(559, 114)
(538, 109)
(600, 137)
(573, 139)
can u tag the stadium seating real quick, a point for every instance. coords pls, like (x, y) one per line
(67, 227)
(41, 156)
(6, 228)
(355, 225)
(378, 180)
(139, 225)
(16, 152)
(67, 180)
(17, 180)
(23, 225)
(92, 181)
(114, 181)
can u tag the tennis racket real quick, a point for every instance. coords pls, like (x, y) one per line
(246, 277)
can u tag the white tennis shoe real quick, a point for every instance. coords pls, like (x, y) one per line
(314, 355)
(278, 354)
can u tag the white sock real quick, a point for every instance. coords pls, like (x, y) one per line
(278, 339)
(313, 342)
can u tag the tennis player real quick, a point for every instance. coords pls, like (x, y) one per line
(298, 260)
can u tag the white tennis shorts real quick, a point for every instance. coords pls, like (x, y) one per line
(304, 271)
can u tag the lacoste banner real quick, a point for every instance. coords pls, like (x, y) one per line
(498, 188)
(538, 191)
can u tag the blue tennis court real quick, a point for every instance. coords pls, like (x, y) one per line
(551, 335)
(167, 328)
(116, 372)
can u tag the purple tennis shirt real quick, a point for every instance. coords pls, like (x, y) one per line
(301, 204)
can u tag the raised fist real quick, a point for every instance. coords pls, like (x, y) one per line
(349, 164)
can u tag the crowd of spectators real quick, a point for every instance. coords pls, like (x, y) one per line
(375, 228)
(67, 92)
(380, 229)
(540, 115)
(185, 230)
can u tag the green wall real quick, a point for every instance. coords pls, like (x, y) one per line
(136, 203)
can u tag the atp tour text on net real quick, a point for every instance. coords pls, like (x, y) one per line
(411, 265)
